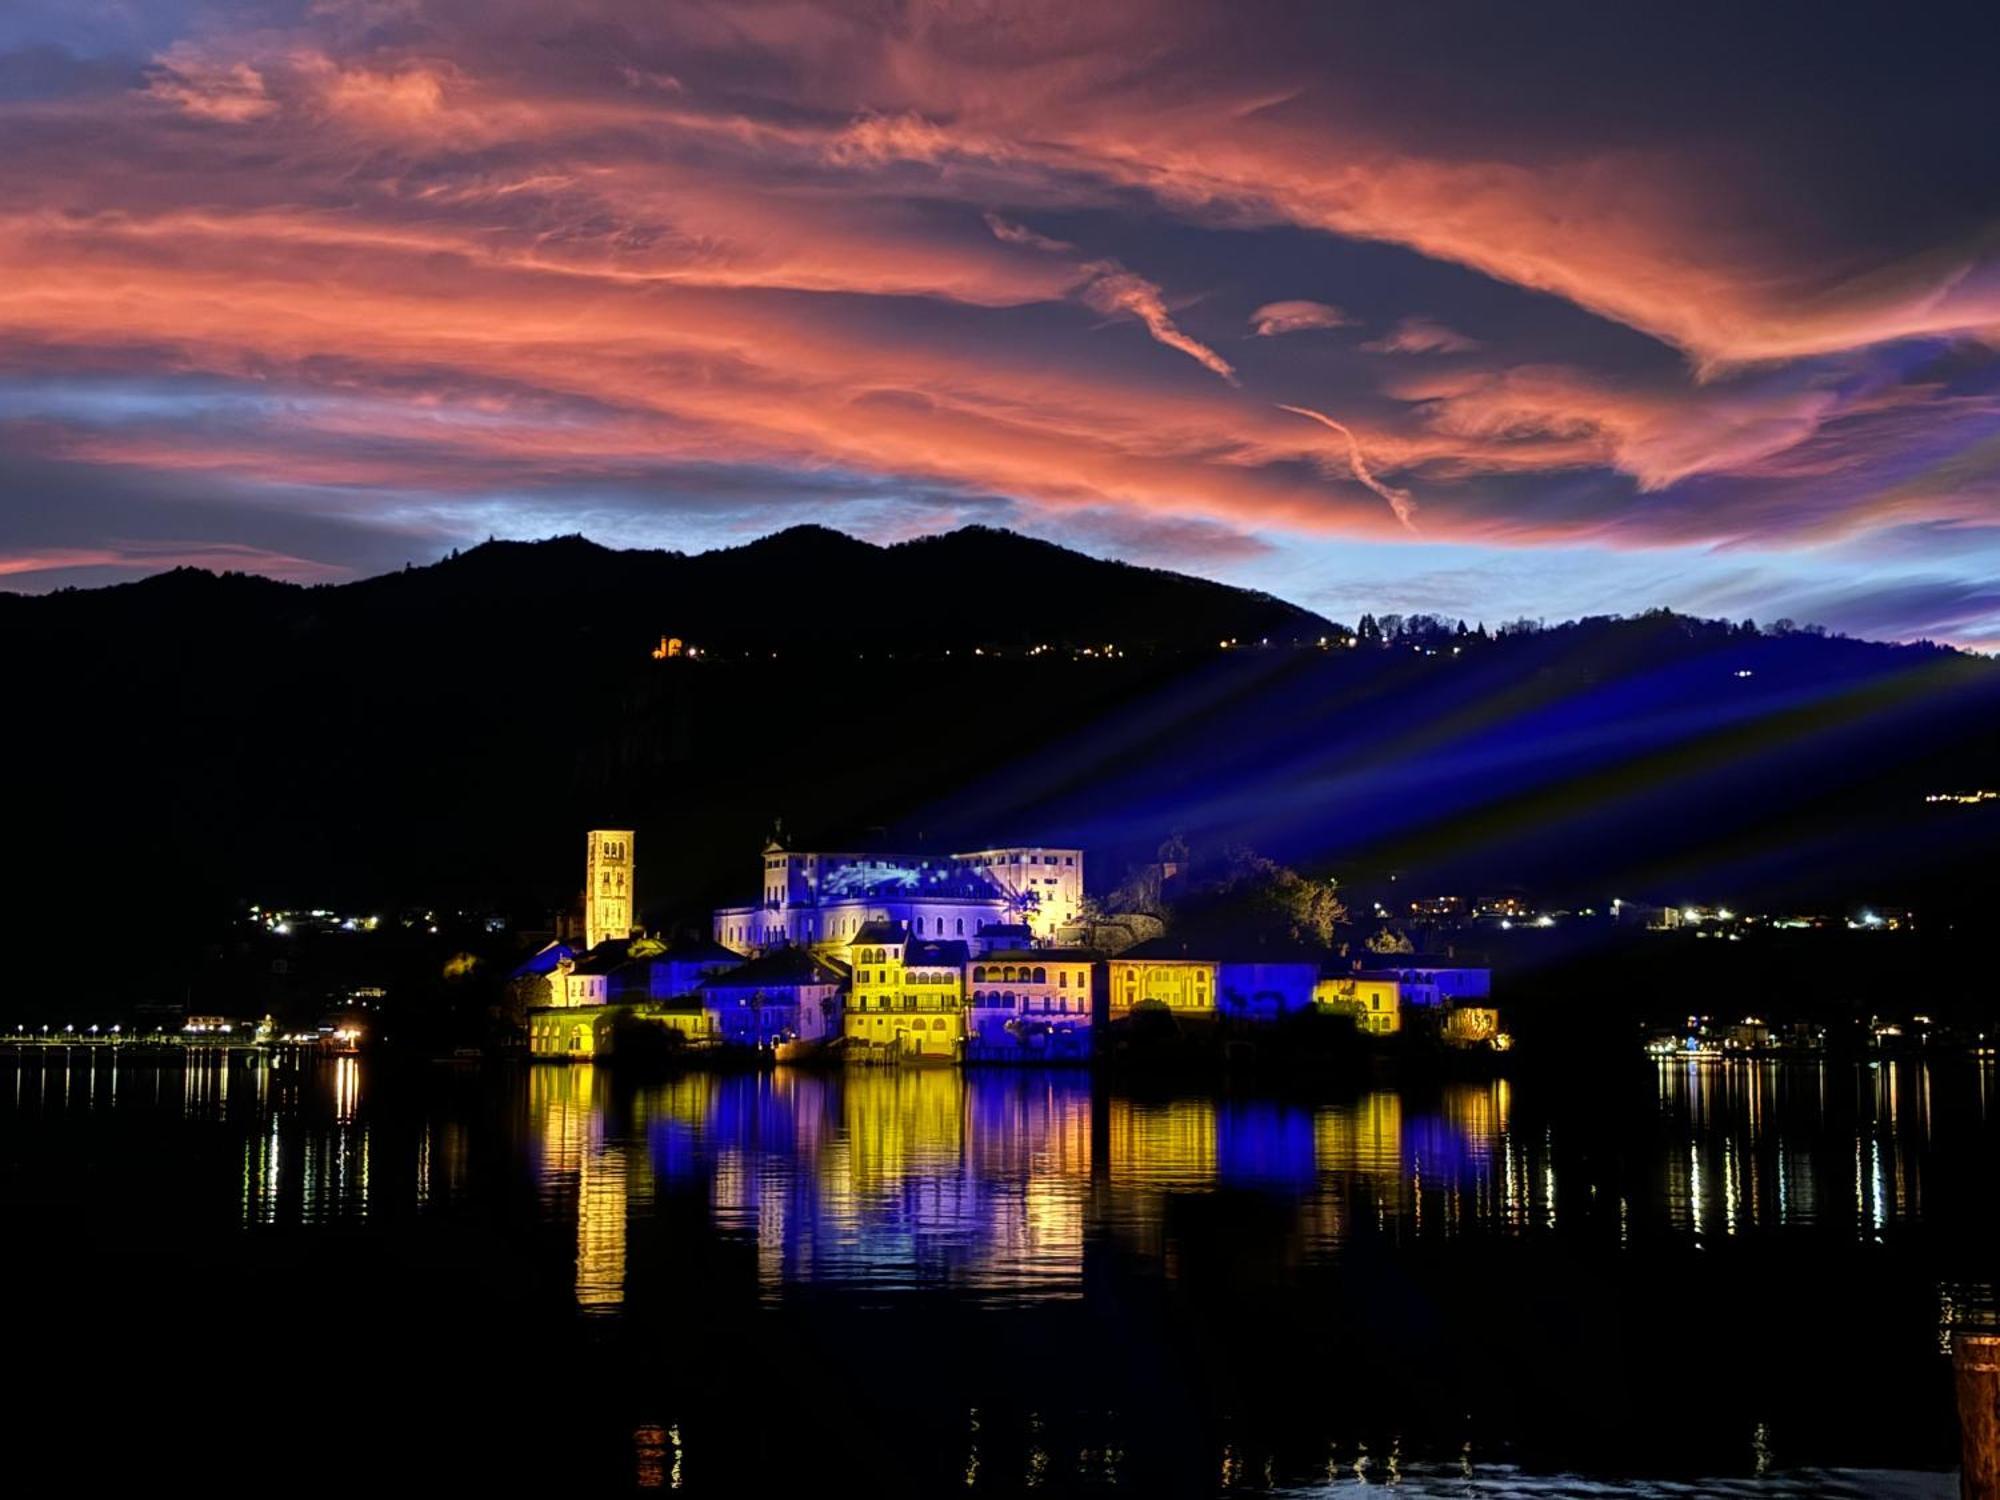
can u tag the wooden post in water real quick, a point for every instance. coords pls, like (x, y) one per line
(1975, 1360)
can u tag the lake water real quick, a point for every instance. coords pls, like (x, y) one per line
(1688, 1278)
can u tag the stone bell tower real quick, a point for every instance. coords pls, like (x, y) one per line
(608, 881)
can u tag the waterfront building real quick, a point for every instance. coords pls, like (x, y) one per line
(907, 996)
(789, 994)
(1244, 983)
(820, 899)
(586, 1033)
(1434, 979)
(1375, 1001)
(1035, 1000)
(1161, 972)
(1264, 986)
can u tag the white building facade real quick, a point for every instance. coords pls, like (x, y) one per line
(819, 899)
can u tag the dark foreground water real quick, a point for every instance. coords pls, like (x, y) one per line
(1685, 1279)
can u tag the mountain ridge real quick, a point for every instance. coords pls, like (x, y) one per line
(1202, 610)
(711, 597)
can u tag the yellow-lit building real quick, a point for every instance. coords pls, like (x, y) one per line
(1376, 1003)
(1162, 973)
(1019, 994)
(610, 875)
(581, 1033)
(907, 995)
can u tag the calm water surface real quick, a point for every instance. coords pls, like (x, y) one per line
(1688, 1279)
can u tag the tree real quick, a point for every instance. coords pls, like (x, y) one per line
(1267, 893)
(1385, 941)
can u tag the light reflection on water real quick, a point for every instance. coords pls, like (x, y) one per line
(1504, 1483)
(1756, 1138)
(1022, 1189)
(990, 1182)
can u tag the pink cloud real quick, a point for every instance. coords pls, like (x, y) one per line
(1421, 336)
(1275, 318)
(230, 93)
(769, 238)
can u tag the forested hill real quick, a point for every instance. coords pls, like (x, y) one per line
(444, 734)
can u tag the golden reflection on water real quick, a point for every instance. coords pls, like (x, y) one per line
(585, 1173)
(1004, 1183)
(995, 1182)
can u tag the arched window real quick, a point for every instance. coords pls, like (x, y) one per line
(1041, 976)
(979, 975)
(961, 927)
(938, 1024)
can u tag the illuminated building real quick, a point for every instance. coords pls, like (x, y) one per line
(1031, 1000)
(1265, 987)
(1161, 973)
(610, 877)
(1249, 984)
(585, 979)
(582, 1033)
(817, 899)
(661, 971)
(908, 994)
(567, 1033)
(1045, 886)
(787, 995)
(1430, 979)
(1374, 1000)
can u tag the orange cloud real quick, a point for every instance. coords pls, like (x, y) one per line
(794, 236)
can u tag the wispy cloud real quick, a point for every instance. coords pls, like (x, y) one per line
(1111, 288)
(1399, 500)
(1420, 336)
(1274, 318)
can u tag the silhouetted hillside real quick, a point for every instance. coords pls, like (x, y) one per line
(443, 735)
(807, 589)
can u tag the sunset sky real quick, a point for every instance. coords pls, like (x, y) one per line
(1470, 308)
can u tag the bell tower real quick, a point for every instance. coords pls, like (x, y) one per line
(608, 881)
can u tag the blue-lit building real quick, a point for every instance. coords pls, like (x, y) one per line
(786, 995)
(819, 899)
